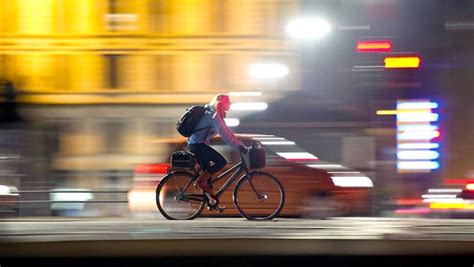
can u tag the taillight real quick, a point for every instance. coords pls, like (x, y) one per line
(470, 187)
(159, 168)
(374, 46)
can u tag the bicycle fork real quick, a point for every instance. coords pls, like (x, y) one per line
(259, 196)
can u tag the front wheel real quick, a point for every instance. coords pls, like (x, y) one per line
(259, 196)
(177, 198)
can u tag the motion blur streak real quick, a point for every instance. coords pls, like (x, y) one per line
(141, 200)
(418, 146)
(268, 70)
(417, 165)
(374, 46)
(297, 155)
(444, 190)
(398, 62)
(4, 190)
(245, 93)
(268, 138)
(416, 127)
(278, 143)
(464, 206)
(417, 117)
(232, 122)
(324, 166)
(400, 111)
(249, 106)
(417, 105)
(308, 28)
(418, 135)
(418, 154)
(438, 196)
(352, 181)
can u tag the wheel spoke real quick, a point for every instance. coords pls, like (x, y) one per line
(176, 199)
(259, 196)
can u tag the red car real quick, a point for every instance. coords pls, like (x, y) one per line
(312, 188)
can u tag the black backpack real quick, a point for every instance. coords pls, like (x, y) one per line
(187, 124)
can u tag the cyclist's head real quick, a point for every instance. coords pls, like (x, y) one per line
(221, 103)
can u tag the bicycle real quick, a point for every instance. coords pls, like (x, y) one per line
(257, 195)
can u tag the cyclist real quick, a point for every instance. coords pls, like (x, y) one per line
(212, 123)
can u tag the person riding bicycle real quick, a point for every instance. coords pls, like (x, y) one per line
(213, 123)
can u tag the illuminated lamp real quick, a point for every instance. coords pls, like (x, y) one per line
(374, 46)
(402, 62)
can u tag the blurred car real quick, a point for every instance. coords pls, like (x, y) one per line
(449, 201)
(467, 192)
(9, 200)
(313, 188)
(72, 202)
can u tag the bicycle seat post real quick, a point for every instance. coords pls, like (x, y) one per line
(244, 163)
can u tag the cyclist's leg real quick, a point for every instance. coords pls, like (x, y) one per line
(217, 158)
(205, 155)
(198, 150)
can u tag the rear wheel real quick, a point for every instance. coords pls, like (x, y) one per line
(259, 196)
(177, 198)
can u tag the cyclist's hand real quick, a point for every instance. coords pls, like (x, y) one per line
(243, 149)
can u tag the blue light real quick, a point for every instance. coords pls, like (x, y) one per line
(417, 154)
(417, 105)
(418, 165)
(417, 127)
(417, 117)
(418, 146)
(417, 135)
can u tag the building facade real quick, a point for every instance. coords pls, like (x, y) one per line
(102, 80)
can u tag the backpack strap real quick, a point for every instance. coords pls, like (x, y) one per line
(207, 127)
(200, 129)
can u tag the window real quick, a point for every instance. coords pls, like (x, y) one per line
(112, 65)
(113, 129)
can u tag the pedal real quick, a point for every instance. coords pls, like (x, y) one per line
(216, 208)
(220, 209)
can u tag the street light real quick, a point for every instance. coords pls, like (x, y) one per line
(308, 28)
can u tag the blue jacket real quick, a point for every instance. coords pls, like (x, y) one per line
(216, 125)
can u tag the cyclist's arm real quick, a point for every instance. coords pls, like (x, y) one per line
(225, 132)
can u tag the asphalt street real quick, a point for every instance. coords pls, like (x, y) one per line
(152, 236)
(61, 229)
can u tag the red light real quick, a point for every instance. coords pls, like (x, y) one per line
(374, 46)
(459, 181)
(402, 62)
(160, 168)
(407, 202)
(470, 187)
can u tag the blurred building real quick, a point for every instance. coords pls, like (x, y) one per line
(101, 79)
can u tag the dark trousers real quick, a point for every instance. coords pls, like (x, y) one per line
(205, 155)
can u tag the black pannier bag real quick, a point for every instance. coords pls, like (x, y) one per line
(183, 160)
(257, 156)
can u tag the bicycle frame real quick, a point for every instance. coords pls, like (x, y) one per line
(239, 167)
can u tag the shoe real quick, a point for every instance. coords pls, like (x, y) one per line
(213, 203)
(217, 208)
(211, 199)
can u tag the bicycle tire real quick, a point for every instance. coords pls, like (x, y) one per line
(163, 192)
(250, 204)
